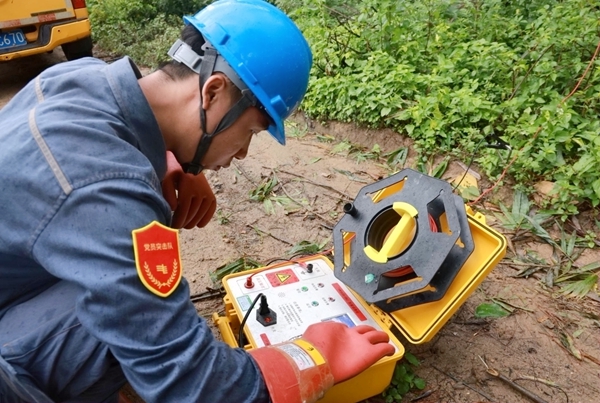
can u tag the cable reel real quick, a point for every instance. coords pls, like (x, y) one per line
(402, 241)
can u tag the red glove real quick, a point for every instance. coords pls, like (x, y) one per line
(327, 353)
(348, 350)
(189, 196)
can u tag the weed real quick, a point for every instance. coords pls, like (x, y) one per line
(562, 270)
(469, 193)
(360, 153)
(580, 288)
(343, 147)
(515, 218)
(397, 158)
(223, 217)
(240, 264)
(427, 167)
(404, 379)
(503, 68)
(265, 193)
(288, 204)
(295, 130)
(373, 154)
(264, 189)
(307, 248)
(325, 138)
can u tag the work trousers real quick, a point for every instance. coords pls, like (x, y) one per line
(47, 356)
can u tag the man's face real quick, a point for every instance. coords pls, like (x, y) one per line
(234, 141)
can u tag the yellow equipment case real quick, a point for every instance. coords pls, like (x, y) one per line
(381, 275)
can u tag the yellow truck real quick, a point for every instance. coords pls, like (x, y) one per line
(29, 27)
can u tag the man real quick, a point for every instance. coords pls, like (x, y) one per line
(87, 299)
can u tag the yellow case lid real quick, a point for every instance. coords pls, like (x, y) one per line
(420, 323)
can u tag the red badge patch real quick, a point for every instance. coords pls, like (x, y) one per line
(157, 258)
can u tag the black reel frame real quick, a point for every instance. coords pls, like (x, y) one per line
(424, 270)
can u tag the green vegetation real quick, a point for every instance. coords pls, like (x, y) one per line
(141, 29)
(243, 263)
(490, 310)
(308, 248)
(562, 269)
(450, 74)
(404, 379)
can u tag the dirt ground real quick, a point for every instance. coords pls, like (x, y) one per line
(527, 344)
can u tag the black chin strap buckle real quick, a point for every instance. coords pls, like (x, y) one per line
(192, 168)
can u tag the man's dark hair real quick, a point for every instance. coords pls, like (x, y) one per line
(176, 70)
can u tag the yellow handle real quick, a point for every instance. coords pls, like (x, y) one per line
(397, 239)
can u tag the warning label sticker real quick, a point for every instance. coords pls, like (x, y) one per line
(282, 277)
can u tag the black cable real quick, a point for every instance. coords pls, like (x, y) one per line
(498, 145)
(470, 163)
(279, 259)
(209, 293)
(241, 333)
(291, 258)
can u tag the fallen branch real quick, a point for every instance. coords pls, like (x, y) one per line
(591, 358)
(422, 395)
(243, 172)
(347, 196)
(512, 384)
(544, 381)
(464, 383)
(269, 234)
(515, 386)
(306, 207)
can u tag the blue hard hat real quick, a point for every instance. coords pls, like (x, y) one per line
(266, 50)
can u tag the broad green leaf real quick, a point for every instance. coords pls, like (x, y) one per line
(520, 204)
(490, 311)
(439, 170)
(596, 187)
(585, 163)
(420, 383)
(411, 359)
(403, 388)
(469, 192)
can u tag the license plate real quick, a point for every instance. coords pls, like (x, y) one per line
(12, 38)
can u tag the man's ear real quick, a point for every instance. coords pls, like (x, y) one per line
(214, 88)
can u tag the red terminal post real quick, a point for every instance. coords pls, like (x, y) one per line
(249, 283)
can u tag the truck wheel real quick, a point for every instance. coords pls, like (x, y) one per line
(78, 49)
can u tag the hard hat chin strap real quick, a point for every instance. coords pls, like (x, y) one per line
(205, 66)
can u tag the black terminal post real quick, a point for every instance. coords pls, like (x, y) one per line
(309, 268)
(350, 209)
(265, 316)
